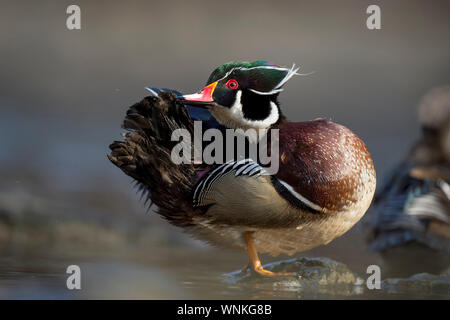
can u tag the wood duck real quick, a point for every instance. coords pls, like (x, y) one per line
(413, 206)
(324, 185)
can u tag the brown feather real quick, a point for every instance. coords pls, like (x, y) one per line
(145, 155)
(325, 162)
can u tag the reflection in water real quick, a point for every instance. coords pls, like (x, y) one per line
(120, 278)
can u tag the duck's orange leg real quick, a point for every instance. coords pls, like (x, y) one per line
(254, 259)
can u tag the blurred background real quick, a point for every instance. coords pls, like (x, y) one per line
(64, 93)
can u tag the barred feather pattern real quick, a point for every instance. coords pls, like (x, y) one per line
(243, 167)
(145, 154)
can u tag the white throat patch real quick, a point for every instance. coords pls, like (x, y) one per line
(234, 117)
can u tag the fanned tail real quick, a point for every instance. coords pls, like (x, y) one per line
(145, 155)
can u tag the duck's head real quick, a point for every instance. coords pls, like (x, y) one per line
(243, 94)
(434, 116)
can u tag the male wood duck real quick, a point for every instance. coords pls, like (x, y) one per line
(414, 204)
(324, 185)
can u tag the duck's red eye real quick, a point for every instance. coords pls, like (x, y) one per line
(232, 84)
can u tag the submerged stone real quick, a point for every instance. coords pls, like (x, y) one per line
(325, 278)
(314, 278)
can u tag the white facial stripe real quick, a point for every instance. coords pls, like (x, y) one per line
(266, 93)
(264, 67)
(300, 197)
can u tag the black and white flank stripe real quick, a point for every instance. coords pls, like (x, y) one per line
(244, 167)
(249, 168)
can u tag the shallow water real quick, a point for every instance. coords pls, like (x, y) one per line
(195, 273)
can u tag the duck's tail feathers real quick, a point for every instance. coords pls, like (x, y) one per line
(145, 155)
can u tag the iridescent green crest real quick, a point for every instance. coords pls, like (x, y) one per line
(259, 76)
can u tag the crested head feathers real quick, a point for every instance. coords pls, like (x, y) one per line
(260, 77)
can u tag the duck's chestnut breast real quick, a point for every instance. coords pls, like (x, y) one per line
(326, 163)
